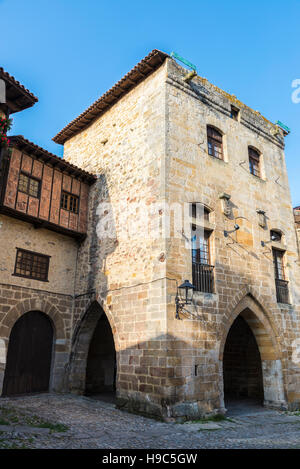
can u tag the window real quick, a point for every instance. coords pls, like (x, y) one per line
(32, 265)
(282, 292)
(200, 249)
(234, 113)
(275, 235)
(278, 264)
(203, 278)
(199, 210)
(29, 185)
(69, 202)
(254, 162)
(214, 142)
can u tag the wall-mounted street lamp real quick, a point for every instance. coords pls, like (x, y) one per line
(236, 227)
(184, 296)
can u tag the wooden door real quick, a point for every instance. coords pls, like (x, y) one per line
(29, 355)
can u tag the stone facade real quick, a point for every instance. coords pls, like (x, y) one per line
(34, 222)
(150, 153)
(150, 149)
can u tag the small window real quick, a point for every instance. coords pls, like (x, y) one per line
(275, 235)
(32, 265)
(202, 210)
(202, 270)
(254, 162)
(235, 112)
(201, 248)
(29, 185)
(69, 202)
(278, 264)
(214, 143)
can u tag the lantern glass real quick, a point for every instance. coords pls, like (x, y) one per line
(185, 292)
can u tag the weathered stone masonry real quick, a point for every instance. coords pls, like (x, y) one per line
(146, 140)
(151, 147)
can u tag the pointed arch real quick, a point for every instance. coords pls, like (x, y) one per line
(268, 343)
(258, 320)
(81, 342)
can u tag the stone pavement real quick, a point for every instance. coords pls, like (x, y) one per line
(90, 423)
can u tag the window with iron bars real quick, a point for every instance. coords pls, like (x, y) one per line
(203, 271)
(214, 142)
(281, 284)
(69, 202)
(32, 265)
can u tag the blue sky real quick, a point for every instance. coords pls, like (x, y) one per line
(69, 52)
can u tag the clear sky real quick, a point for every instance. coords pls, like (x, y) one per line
(69, 52)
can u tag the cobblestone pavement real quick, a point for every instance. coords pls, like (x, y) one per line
(95, 424)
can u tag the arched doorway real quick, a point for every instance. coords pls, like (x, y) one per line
(242, 366)
(250, 357)
(93, 364)
(29, 355)
(101, 362)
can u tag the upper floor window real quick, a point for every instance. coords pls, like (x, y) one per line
(32, 265)
(69, 202)
(202, 270)
(214, 142)
(199, 211)
(234, 114)
(275, 235)
(282, 292)
(254, 165)
(29, 185)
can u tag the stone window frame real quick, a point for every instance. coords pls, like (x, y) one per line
(203, 223)
(255, 159)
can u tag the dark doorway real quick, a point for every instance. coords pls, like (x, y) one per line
(101, 362)
(242, 365)
(29, 355)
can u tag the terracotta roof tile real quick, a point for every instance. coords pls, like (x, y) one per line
(27, 98)
(18, 141)
(141, 71)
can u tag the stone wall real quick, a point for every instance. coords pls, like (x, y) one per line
(62, 249)
(20, 295)
(125, 268)
(16, 301)
(242, 266)
(151, 152)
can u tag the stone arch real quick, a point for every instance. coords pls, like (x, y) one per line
(33, 304)
(60, 342)
(80, 345)
(259, 322)
(268, 343)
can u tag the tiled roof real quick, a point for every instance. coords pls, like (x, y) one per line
(141, 71)
(26, 146)
(17, 94)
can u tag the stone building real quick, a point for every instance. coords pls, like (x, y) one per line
(191, 184)
(41, 227)
(164, 145)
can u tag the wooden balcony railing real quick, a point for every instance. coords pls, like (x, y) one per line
(282, 290)
(203, 277)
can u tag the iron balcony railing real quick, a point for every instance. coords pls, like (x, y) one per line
(282, 290)
(203, 277)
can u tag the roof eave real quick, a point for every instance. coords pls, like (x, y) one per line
(136, 75)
